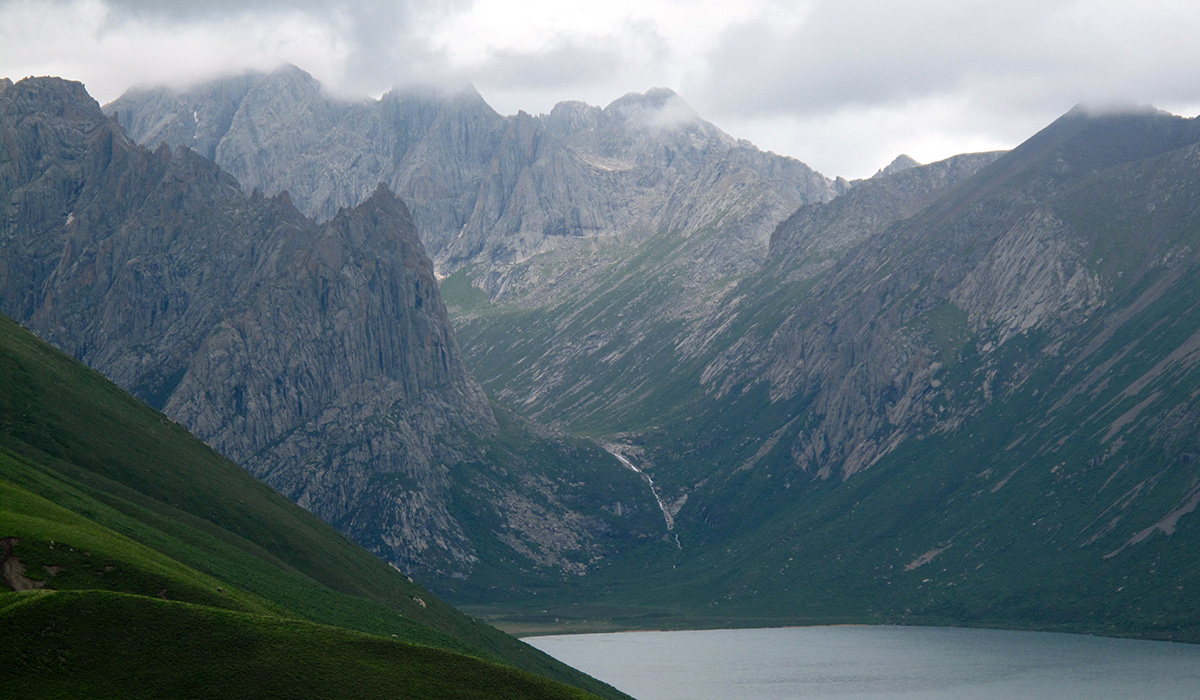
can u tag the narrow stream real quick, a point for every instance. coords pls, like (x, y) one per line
(653, 490)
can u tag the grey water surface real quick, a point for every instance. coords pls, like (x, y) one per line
(869, 662)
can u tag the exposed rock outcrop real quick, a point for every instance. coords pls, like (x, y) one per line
(953, 392)
(609, 222)
(318, 356)
(485, 189)
(988, 260)
(967, 391)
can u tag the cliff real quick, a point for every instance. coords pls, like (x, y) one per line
(317, 355)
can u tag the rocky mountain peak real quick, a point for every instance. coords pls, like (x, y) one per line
(383, 197)
(498, 191)
(657, 107)
(1114, 107)
(900, 164)
(571, 117)
(462, 98)
(290, 71)
(288, 80)
(1088, 139)
(49, 98)
(812, 236)
(254, 327)
(319, 356)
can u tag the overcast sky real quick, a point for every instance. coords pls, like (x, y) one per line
(843, 85)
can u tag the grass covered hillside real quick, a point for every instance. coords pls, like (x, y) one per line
(145, 565)
(955, 395)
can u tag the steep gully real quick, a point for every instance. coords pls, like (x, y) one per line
(670, 521)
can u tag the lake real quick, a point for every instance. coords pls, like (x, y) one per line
(869, 662)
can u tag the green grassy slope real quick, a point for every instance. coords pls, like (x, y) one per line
(104, 494)
(614, 338)
(78, 644)
(1040, 476)
(1067, 503)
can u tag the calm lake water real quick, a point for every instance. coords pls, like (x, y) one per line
(856, 663)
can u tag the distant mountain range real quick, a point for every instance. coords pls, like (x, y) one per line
(963, 392)
(484, 188)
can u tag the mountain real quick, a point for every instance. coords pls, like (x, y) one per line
(819, 235)
(993, 255)
(962, 393)
(602, 234)
(959, 393)
(612, 380)
(317, 356)
(901, 163)
(484, 188)
(136, 562)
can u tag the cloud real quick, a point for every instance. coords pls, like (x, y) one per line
(672, 113)
(843, 85)
(359, 47)
(560, 67)
(519, 54)
(855, 142)
(83, 40)
(595, 69)
(862, 53)
(889, 76)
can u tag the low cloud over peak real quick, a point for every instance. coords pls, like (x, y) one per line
(844, 86)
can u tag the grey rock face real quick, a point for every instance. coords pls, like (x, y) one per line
(198, 119)
(490, 190)
(641, 204)
(974, 247)
(1000, 373)
(815, 235)
(900, 164)
(967, 342)
(318, 356)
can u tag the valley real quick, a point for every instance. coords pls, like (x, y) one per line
(319, 356)
(460, 351)
(612, 368)
(931, 424)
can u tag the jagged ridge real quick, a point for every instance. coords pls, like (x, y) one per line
(317, 355)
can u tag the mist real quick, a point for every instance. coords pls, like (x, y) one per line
(843, 86)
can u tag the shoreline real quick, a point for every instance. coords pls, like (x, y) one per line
(530, 628)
